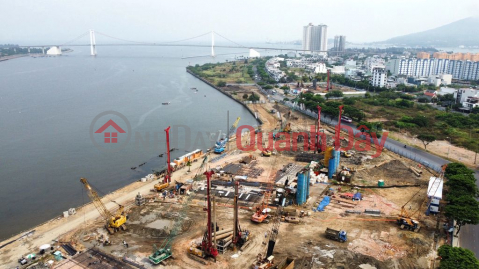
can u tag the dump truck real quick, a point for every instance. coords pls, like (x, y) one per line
(340, 236)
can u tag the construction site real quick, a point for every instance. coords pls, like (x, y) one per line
(319, 207)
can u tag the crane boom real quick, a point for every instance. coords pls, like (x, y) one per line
(113, 222)
(96, 199)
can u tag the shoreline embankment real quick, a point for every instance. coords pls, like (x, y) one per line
(225, 93)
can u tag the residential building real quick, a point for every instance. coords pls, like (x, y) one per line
(423, 55)
(272, 67)
(379, 77)
(463, 94)
(315, 38)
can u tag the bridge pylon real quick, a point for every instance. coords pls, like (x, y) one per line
(212, 44)
(92, 43)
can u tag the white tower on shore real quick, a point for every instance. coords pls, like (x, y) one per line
(92, 43)
(212, 44)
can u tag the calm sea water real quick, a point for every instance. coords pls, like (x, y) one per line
(47, 106)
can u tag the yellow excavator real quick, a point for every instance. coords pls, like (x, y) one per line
(114, 222)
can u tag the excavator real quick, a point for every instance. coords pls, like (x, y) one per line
(114, 222)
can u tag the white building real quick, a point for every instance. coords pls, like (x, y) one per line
(315, 38)
(272, 67)
(379, 77)
(317, 68)
(54, 51)
(338, 69)
(254, 54)
(458, 69)
(463, 94)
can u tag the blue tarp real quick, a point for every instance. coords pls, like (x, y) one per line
(357, 196)
(323, 203)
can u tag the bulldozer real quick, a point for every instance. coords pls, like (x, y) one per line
(114, 222)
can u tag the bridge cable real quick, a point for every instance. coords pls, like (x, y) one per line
(232, 41)
(75, 39)
(152, 43)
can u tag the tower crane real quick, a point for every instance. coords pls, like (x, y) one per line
(114, 222)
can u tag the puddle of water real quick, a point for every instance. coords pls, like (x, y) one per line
(160, 224)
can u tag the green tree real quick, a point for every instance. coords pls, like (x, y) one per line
(457, 258)
(463, 209)
(426, 139)
(221, 84)
(245, 96)
(188, 163)
(253, 97)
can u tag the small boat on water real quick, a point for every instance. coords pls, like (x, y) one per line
(161, 155)
(133, 168)
(166, 103)
(194, 89)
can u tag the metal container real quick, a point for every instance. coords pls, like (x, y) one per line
(380, 183)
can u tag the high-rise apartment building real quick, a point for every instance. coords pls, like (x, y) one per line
(315, 38)
(339, 43)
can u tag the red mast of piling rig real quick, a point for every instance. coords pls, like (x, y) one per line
(337, 142)
(168, 172)
(318, 145)
(207, 244)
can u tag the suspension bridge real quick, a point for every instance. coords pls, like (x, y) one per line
(177, 43)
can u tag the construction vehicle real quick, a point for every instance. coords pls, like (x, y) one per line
(266, 153)
(240, 237)
(261, 215)
(266, 260)
(206, 248)
(346, 154)
(220, 145)
(164, 251)
(340, 236)
(114, 222)
(166, 182)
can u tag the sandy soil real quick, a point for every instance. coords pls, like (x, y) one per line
(441, 148)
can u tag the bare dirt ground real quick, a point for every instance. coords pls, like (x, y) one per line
(373, 241)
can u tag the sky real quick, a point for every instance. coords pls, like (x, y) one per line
(28, 22)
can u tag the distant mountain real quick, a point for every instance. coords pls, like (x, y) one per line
(463, 32)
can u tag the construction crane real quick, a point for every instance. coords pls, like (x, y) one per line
(114, 222)
(167, 179)
(266, 260)
(164, 251)
(405, 219)
(207, 248)
(319, 146)
(221, 144)
(240, 237)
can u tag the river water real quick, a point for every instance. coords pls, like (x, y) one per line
(47, 106)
